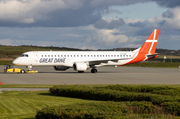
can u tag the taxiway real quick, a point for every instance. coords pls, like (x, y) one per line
(105, 75)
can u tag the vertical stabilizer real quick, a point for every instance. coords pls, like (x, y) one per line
(147, 51)
(149, 47)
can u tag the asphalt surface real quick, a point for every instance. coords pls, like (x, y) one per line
(105, 75)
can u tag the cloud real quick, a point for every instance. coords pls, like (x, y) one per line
(80, 23)
(114, 2)
(56, 13)
(137, 24)
(144, 32)
(45, 13)
(6, 42)
(102, 24)
(132, 21)
(167, 20)
(168, 3)
(65, 13)
(107, 37)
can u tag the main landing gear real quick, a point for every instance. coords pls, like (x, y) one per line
(93, 70)
(80, 71)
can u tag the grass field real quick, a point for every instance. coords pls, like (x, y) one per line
(169, 57)
(24, 104)
(156, 64)
(24, 86)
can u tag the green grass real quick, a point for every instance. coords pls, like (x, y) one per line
(23, 104)
(5, 62)
(118, 101)
(169, 57)
(156, 64)
(24, 86)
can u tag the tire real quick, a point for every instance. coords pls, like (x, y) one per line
(80, 71)
(22, 71)
(93, 70)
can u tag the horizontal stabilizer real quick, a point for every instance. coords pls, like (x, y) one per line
(152, 55)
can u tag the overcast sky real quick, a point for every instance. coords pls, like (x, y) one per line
(89, 24)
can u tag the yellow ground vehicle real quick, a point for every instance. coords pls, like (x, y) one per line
(10, 69)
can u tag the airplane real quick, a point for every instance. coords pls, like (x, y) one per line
(83, 60)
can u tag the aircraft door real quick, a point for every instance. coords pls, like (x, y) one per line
(36, 57)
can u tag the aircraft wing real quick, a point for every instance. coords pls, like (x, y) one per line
(99, 61)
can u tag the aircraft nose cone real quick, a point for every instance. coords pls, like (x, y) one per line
(16, 61)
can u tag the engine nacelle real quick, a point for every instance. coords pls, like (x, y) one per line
(80, 67)
(60, 68)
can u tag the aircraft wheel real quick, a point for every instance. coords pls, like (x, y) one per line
(22, 71)
(93, 70)
(80, 71)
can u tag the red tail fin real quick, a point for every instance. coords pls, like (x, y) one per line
(148, 48)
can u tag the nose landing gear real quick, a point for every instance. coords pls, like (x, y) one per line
(29, 68)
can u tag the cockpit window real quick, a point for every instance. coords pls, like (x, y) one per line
(24, 55)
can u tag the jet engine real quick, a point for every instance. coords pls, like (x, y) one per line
(60, 68)
(80, 67)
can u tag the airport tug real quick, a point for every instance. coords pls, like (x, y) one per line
(8, 68)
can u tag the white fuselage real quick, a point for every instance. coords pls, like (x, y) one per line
(68, 58)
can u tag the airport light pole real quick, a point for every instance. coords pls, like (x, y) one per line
(171, 56)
